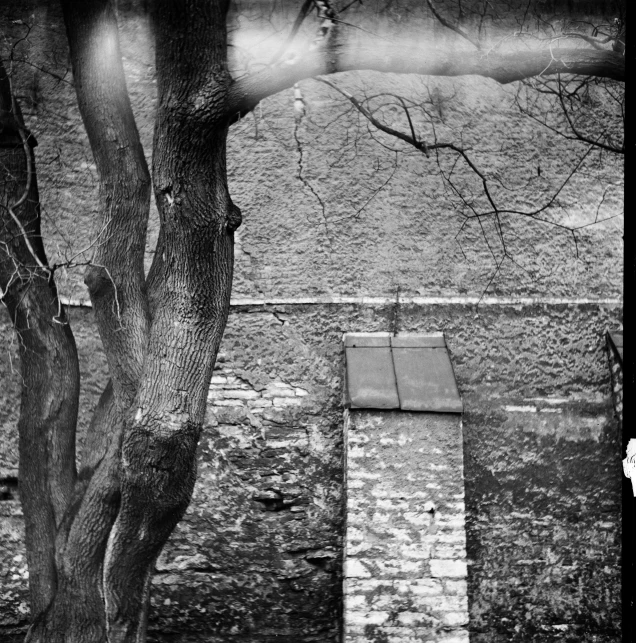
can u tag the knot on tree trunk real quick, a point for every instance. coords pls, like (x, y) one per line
(161, 467)
(234, 218)
(98, 282)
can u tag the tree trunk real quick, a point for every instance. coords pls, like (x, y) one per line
(189, 286)
(139, 466)
(48, 357)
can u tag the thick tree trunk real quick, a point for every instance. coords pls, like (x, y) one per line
(93, 538)
(139, 465)
(190, 286)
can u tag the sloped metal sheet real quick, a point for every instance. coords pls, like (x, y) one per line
(411, 372)
(426, 381)
(616, 339)
(371, 378)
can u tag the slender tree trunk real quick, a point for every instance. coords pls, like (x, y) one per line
(48, 357)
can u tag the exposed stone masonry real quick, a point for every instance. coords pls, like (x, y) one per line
(257, 557)
(405, 562)
(226, 389)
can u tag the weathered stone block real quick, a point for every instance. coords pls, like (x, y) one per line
(241, 394)
(366, 618)
(355, 569)
(454, 619)
(286, 401)
(447, 568)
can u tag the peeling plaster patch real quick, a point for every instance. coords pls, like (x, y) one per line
(561, 426)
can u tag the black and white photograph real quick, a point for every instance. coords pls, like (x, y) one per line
(312, 325)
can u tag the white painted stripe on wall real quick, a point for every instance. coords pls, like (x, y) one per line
(384, 301)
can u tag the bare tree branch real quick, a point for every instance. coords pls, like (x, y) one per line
(495, 212)
(302, 14)
(449, 25)
(246, 92)
(568, 107)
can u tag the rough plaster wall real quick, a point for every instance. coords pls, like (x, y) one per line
(542, 474)
(411, 234)
(315, 218)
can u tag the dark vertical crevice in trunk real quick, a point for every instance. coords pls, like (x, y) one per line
(98, 435)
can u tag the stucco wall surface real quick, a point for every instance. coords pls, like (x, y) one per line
(331, 207)
(258, 555)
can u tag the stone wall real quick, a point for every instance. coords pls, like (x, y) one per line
(405, 545)
(259, 552)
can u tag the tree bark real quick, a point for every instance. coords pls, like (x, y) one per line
(190, 291)
(48, 356)
(420, 59)
(115, 280)
(75, 612)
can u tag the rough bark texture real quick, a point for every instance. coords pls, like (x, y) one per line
(116, 279)
(139, 461)
(191, 292)
(48, 357)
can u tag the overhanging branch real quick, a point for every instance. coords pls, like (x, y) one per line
(246, 93)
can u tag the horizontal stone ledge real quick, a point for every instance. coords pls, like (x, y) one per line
(384, 301)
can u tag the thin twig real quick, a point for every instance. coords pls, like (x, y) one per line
(302, 14)
(23, 198)
(456, 28)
